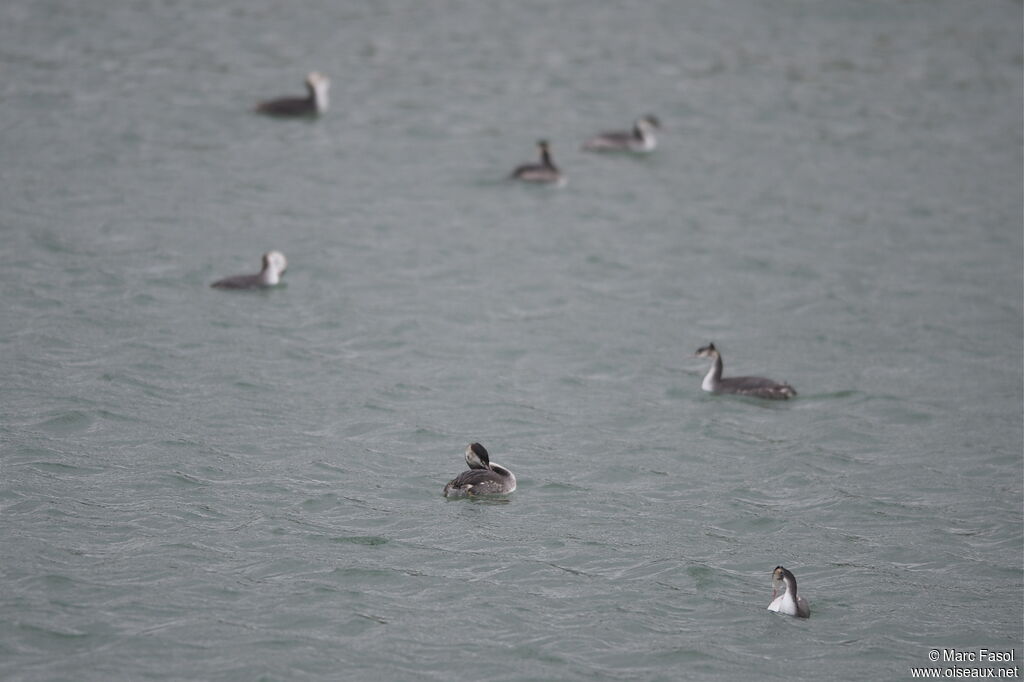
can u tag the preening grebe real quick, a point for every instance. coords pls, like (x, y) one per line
(545, 171)
(758, 387)
(314, 103)
(274, 265)
(639, 139)
(784, 597)
(483, 478)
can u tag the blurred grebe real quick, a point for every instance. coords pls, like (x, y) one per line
(316, 102)
(640, 139)
(274, 265)
(544, 171)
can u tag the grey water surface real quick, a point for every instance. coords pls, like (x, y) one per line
(207, 485)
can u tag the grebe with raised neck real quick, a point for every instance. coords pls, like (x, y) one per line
(640, 139)
(758, 387)
(784, 597)
(313, 104)
(484, 477)
(274, 265)
(543, 171)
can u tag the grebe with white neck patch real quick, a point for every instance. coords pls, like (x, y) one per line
(483, 478)
(640, 139)
(784, 597)
(274, 265)
(313, 104)
(544, 171)
(757, 387)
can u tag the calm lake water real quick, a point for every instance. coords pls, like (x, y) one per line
(207, 485)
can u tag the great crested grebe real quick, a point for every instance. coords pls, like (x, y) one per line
(640, 139)
(758, 387)
(274, 265)
(543, 171)
(315, 103)
(484, 477)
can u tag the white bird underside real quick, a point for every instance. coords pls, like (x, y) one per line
(784, 604)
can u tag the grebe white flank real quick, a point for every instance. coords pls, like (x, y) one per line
(483, 478)
(274, 265)
(758, 387)
(784, 597)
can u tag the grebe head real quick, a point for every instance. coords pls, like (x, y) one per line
(708, 351)
(648, 123)
(317, 80)
(783, 581)
(477, 457)
(275, 262)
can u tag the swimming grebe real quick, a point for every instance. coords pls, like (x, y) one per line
(640, 139)
(483, 478)
(784, 597)
(544, 171)
(758, 387)
(316, 102)
(274, 265)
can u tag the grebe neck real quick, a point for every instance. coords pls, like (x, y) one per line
(545, 159)
(714, 375)
(270, 276)
(318, 96)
